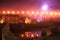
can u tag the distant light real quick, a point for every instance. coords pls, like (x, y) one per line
(44, 7)
(38, 20)
(37, 35)
(3, 12)
(22, 35)
(18, 12)
(51, 13)
(27, 35)
(2, 21)
(22, 12)
(8, 12)
(46, 12)
(13, 12)
(37, 12)
(27, 20)
(32, 35)
(59, 13)
(55, 13)
(42, 13)
(32, 12)
(27, 12)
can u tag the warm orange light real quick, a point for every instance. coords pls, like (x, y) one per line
(32, 12)
(2, 21)
(46, 12)
(18, 12)
(42, 13)
(32, 35)
(28, 12)
(13, 12)
(27, 35)
(51, 13)
(37, 35)
(22, 35)
(22, 12)
(55, 13)
(37, 12)
(8, 12)
(27, 20)
(3, 12)
(59, 13)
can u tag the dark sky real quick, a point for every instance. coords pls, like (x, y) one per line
(28, 4)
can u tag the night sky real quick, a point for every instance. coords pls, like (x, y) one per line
(28, 4)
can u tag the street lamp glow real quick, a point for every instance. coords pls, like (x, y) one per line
(27, 12)
(18, 12)
(3, 12)
(13, 12)
(22, 12)
(8, 12)
(44, 7)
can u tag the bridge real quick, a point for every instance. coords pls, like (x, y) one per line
(23, 16)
